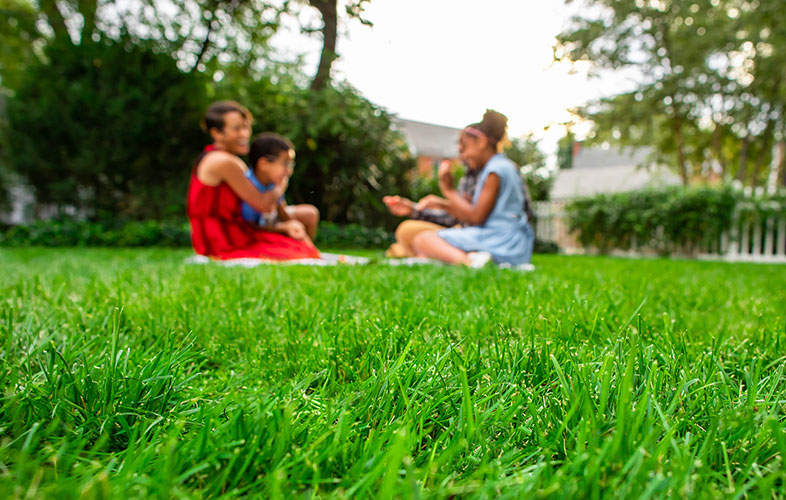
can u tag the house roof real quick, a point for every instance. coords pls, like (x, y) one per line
(610, 157)
(428, 139)
(598, 171)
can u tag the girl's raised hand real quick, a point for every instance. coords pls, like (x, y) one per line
(445, 176)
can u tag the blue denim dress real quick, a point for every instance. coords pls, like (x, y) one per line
(506, 234)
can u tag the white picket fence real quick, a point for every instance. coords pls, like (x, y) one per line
(751, 237)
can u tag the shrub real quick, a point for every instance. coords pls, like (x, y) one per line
(352, 236)
(348, 155)
(108, 129)
(129, 233)
(116, 233)
(667, 220)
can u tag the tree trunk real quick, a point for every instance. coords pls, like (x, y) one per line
(205, 45)
(679, 142)
(229, 7)
(55, 18)
(327, 8)
(780, 167)
(742, 170)
(755, 176)
(88, 10)
(766, 147)
(717, 146)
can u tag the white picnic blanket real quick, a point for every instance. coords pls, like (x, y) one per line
(326, 259)
(332, 259)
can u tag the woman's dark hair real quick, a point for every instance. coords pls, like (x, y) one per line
(267, 144)
(214, 116)
(493, 125)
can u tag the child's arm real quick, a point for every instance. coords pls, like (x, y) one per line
(459, 207)
(283, 215)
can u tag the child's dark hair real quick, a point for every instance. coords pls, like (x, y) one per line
(214, 116)
(493, 126)
(267, 144)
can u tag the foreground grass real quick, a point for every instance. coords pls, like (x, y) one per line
(129, 374)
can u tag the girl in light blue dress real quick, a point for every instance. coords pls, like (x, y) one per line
(496, 226)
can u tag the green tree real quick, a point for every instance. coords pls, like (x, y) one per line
(525, 152)
(565, 150)
(16, 41)
(708, 92)
(201, 35)
(106, 128)
(348, 155)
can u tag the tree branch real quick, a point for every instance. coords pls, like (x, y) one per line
(327, 8)
(55, 18)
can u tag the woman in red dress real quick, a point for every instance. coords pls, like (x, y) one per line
(218, 188)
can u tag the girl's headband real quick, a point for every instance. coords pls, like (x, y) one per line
(475, 132)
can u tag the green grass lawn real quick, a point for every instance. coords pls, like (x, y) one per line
(128, 374)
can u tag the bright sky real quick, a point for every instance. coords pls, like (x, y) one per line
(446, 61)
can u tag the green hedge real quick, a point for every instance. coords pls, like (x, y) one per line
(70, 233)
(667, 220)
(74, 233)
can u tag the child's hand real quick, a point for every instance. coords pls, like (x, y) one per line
(294, 229)
(281, 187)
(398, 205)
(431, 201)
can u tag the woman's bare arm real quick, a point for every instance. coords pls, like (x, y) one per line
(221, 167)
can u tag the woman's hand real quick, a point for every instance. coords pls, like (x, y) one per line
(398, 205)
(432, 201)
(445, 176)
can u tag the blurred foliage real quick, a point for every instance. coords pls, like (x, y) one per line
(348, 155)
(115, 65)
(525, 152)
(668, 220)
(565, 150)
(201, 35)
(70, 232)
(108, 129)
(708, 91)
(17, 36)
(352, 236)
(123, 233)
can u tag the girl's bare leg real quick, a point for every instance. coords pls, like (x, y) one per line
(430, 245)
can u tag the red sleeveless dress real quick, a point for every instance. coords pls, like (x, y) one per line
(218, 229)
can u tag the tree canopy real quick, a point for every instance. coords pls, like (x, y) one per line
(708, 94)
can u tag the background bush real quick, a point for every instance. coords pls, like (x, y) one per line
(348, 155)
(667, 220)
(67, 232)
(119, 233)
(109, 129)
